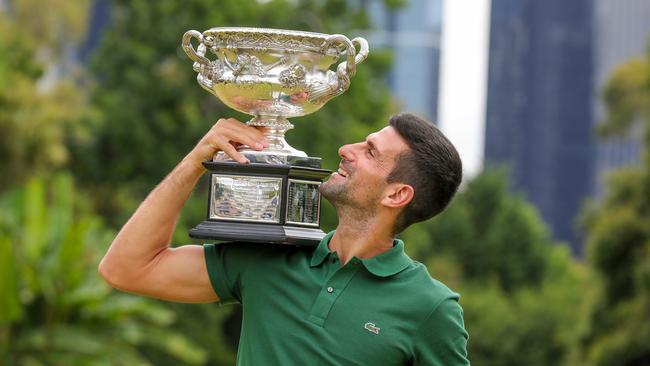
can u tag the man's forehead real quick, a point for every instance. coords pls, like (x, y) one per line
(388, 138)
(384, 131)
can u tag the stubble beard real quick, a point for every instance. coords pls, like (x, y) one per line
(348, 209)
(337, 194)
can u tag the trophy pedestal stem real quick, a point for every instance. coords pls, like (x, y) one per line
(276, 127)
(277, 143)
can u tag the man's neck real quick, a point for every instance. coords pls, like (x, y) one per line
(361, 240)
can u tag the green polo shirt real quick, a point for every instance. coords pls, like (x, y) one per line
(301, 307)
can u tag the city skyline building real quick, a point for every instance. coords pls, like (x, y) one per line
(412, 33)
(539, 115)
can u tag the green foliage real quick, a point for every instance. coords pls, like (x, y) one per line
(531, 325)
(54, 23)
(54, 308)
(207, 327)
(32, 120)
(618, 241)
(492, 234)
(627, 97)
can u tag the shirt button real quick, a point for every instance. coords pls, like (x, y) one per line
(330, 289)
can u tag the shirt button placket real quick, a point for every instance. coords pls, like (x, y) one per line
(327, 296)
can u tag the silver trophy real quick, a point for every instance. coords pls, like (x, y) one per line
(273, 75)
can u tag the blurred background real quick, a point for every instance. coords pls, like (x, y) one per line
(548, 240)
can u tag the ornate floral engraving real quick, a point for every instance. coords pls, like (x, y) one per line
(293, 75)
(248, 64)
(265, 39)
(216, 70)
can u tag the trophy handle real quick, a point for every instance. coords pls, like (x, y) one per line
(202, 64)
(346, 69)
(363, 50)
(353, 57)
(189, 49)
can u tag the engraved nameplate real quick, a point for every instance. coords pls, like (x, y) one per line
(245, 198)
(303, 203)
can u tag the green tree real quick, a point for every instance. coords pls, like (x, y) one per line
(493, 234)
(55, 24)
(33, 119)
(618, 228)
(54, 308)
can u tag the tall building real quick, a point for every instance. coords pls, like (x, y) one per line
(412, 33)
(539, 114)
(622, 31)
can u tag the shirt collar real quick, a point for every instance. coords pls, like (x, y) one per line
(322, 250)
(386, 264)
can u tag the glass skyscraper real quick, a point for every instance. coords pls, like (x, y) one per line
(412, 33)
(549, 61)
(539, 115)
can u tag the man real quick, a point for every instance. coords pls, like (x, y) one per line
(357, 299)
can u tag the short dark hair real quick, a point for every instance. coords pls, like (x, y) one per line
(431, 166)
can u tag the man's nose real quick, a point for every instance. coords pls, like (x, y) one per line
(345, 152)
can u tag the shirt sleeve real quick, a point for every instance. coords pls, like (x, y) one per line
(442, 339)
(227, 263)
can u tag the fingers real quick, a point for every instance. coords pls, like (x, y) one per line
(226, 135)
(239, 132)
(230, 149)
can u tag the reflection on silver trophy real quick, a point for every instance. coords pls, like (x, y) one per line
(272, 75)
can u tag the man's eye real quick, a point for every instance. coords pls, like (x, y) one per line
(370, 152)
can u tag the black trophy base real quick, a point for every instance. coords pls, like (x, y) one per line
(257, 233)
(294, 196)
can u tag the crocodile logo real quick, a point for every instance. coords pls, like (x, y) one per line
(371, 328)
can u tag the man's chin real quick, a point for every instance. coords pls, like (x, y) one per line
(332, 191)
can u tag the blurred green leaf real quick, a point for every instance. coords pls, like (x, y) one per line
(54, 309)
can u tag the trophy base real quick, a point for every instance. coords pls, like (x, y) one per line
(257, 233)
(269, 203)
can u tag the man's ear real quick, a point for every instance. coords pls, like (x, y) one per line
(398, 195)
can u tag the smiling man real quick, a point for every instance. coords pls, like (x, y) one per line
(356, 299)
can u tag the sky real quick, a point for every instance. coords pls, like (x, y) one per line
(463, 78)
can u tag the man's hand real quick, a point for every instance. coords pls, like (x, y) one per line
(140, 260)
(226, 135)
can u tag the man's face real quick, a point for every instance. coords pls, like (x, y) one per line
(361, 178)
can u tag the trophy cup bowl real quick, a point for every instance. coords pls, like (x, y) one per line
(272, 75)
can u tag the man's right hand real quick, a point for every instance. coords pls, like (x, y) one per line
(226, 135)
